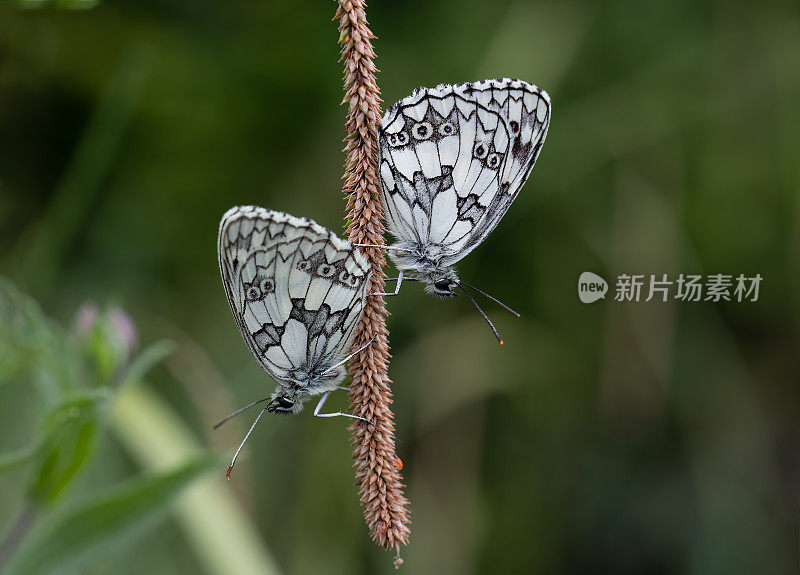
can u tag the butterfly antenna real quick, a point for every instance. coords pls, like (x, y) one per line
(491, 325)
(494, 299)
(233, 462)
(238, 411)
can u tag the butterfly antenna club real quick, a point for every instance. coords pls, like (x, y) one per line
(238, 451)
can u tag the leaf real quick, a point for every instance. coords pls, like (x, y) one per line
(32, 348)
(36, 353)
(77, 537)
(69, 439)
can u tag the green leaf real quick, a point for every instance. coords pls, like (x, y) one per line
(34, 351)
(62, 463)
(77, 537)
(53, 428)
(69, 439)
(104, 350)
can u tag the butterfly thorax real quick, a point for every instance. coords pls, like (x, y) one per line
(423, 262)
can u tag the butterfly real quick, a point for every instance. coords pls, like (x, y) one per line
(297, 293)
(452, 159)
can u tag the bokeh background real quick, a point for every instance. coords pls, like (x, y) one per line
(611, 437)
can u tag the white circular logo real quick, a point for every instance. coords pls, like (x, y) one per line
(591, 287)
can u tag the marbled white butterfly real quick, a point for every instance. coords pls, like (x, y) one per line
(297, 293)
(452, 160)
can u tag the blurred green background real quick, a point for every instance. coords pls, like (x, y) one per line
(612, 437)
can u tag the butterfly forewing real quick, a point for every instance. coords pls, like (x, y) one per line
(453, 158)
(296, 290)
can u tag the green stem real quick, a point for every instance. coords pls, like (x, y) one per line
(215, 525)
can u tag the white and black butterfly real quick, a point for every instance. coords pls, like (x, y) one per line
(297, 292)
(452, 160)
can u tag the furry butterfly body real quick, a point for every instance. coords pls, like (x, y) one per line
(452, 160)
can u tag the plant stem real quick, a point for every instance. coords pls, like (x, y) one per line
(214, 524)
(377, 470)
(17, 533)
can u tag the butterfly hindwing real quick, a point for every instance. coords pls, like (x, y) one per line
(297, 291)
(453, 159)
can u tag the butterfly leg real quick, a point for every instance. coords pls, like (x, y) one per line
(322, 401)
(349, 357)
(396, 287)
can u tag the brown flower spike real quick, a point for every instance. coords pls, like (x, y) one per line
(377, 470)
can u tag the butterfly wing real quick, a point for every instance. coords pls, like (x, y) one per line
(296, 290)
(454, 158)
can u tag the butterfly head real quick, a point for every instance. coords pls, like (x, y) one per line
(424, 263)
(283, 401)
(288, 398)
(442, 286)
(292, 392)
